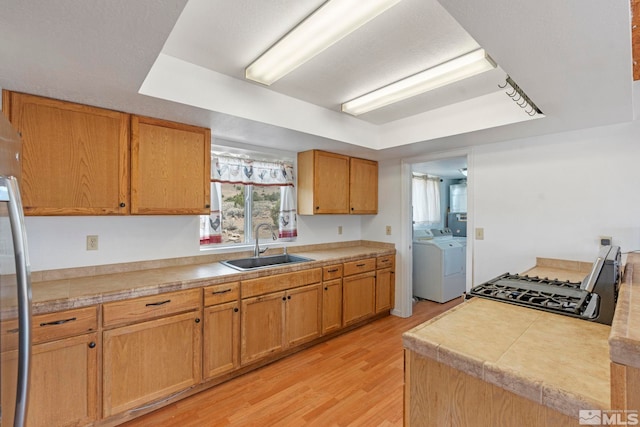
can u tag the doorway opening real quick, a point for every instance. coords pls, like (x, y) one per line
(436, 228)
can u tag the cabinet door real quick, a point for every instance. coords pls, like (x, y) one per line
(303, 314)
(383, 290)
(363, 186)
(358, 297)
(221, 339)
(331, 306)
(63, 383)
(170, 167)
(75, 157)
(331, 183)
(262, 326)
(323, 183)
(149, 361)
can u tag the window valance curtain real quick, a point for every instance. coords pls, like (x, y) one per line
(244, 171)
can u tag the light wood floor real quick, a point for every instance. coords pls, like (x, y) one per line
(355, 379)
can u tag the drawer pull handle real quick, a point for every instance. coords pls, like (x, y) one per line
(221, 292)
(58, 322)
(158, 303)
(360, 265)
(333, 270)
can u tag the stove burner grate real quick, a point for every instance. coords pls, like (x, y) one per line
(557, 296)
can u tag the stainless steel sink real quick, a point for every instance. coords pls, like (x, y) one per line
(252, 263)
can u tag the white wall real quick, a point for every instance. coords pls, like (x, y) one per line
(552, 196)
(60, 242)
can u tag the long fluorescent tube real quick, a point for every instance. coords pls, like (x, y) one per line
(459, 68)
(328, 24)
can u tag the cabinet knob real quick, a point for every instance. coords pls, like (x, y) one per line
(317, 207)
(284, 298)
(235, 310)
(92, 344)
(326, 288)
(289, 297)
(122, 205)
(207, 206)
(351, 208)
(197, 320)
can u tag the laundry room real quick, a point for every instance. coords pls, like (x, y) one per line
(439, 209)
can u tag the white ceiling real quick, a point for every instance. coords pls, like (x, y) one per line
(100, 53)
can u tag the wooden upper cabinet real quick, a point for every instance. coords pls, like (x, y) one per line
(170, 167)
(363, 186)
(330, 183)
(75, 158)
(323, 183)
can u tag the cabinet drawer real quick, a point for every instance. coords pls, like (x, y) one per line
(331, 272)
(360, 266)
(280, 282)
(140, 309)
(218, 294)
(52, 326)
(384, 261)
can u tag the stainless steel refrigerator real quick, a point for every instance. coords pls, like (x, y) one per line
(15, 285)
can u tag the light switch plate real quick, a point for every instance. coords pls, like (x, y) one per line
(479, 233)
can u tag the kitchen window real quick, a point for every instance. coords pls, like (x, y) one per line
(245, 193)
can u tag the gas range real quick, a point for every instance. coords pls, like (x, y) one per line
(592, 299)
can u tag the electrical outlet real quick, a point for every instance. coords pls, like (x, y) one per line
(92, 243)
(388, 230)
(479, 233)
(605, 240)
(339, 229)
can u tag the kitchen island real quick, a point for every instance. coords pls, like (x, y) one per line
(487, 363)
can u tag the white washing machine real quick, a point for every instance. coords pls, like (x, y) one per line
(438, 265)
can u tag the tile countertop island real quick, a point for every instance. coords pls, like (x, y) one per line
(57, 290)
(487, 363)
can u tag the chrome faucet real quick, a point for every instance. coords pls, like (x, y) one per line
(257, 251)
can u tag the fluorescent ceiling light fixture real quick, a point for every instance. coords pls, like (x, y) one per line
(459, 68)
(329, 23)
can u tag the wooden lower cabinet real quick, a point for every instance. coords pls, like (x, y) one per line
(220, 341)
(358, 297)
(262, 326)
(303, 321)
(270, 323)
(331, 306)
(384, 289)
(63, 387)
(149, 361)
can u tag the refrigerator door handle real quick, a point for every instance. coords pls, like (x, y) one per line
(23, 277)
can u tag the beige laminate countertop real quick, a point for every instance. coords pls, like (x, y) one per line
(62, 294)
(558, 361)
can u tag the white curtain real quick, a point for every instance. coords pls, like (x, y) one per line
(288, 219)
(425, 192)
(211, 225)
